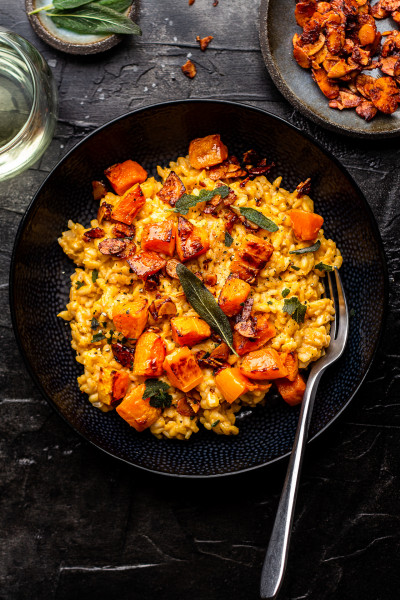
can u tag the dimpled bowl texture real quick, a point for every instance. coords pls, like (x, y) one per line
(153, 136)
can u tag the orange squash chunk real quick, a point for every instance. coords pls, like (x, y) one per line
(252, 256)
(123, 176)
(291, 362)
(149, 355)
(130, 318)
(329, 88)
(265, 330)
(188, 331)
(263, 364)
(129, 205)
(146, 263)
(306, 225)
(136, 410)
(233, 295)
(172, 189)
(231, 383)
(191, 241)
(112, 386)
(159, 237)
(182, 369)
(207, 151)
(291, 391)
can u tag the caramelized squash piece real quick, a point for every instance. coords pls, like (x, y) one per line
(304, 11)
(263, 364)
(184, 408)
(136, 410)
(207, 151)
(231, 383)
(149, 355)
(182, 369)
(159, 237)
(291, 362)
(129, 205)
(189, 331)
(130, 318)
(172, 189)
(123, 176)
(233, 295)
(191, 241)
(306, 225)
(112, 386)
(291, 391)
(264, 331)
(329, 88)
(145, 264)
(384, 95)
(251, 257)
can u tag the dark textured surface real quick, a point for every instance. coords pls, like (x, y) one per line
(41, 271)
(76, 524)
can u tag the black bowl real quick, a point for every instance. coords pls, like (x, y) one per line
(155, 135)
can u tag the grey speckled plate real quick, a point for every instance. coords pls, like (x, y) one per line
(277, 27)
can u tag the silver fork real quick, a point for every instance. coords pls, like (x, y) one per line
(277, 552)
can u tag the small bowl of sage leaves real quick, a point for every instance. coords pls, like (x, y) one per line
(82, 26)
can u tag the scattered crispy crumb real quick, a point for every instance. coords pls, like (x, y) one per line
(189, 69)
(215, 3)
(191, 2)
(204, 41)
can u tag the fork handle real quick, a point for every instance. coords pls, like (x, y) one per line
(278, 547)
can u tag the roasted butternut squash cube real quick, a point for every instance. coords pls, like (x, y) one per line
(231, 383)
(251, 257)
(233, 295)
(263, 364)
(123, 176)
(291, 362)
(182, 369)
(149, 355)
(136, 410)
(159, 237)
(291, 391)
(207, 151)
(130, 318)
(172, 189)
(264, 331)
(191, 241)
(112, 386)
(146, 263)
(127, 207)
(305, 225)
(188, 331)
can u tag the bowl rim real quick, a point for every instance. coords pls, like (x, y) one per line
(297, 102)
(31, 208)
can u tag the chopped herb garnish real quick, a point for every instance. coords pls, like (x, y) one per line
(156, 390)
(98, 337)
(104, 323)
(322, 267)
(312, 248)
(94, 324)
(255, 216)
(285, 292)
(295, 268)
(228, 239)
(269, 302)
(295, 309)
(215, 423)
(187, 201)
(95, 275)
(79, 284)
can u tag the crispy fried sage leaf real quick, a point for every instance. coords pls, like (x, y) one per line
(323, 267)
(157, 391)
(295, 309)
(255, 216)
(94, 18)
(187, 201)
(205, 304)
(228, 239)
(312, 248)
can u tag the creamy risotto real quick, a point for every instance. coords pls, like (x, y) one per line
(254, 253)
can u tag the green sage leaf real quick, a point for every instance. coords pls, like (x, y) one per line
(205, 304)
(255, 216)
(323, 267)
(95, 275)
(93, 18)
(98, 337)
(285, 292)
(187, 201)
(68, 4)
(312, 248)
(157, 390)
(295, 309)
(228, 239)
(118, 5)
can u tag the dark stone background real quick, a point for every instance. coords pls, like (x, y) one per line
(75, 523)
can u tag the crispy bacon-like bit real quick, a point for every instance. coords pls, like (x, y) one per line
(99, 190)
(152, 282)
(171, 267)
(146, 263)
(378, 12)
(104, 212)
(363, 82)
(121, 230)
(189, 69)
(172, 189)
(396, 16)
(304, 188)
(183, 407)
(94, 233)
(191, 2)
(304, 11)
(261, 168)
(245, 323)
(390, 5)
(112, 246)
(229, 169)
(162, 307)
(366, 110)
(123, 354)
(128, 251)
(204, 42)
(345, 100)
(385, 95)
(231, 219)
(327, 87)
(391, 66)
